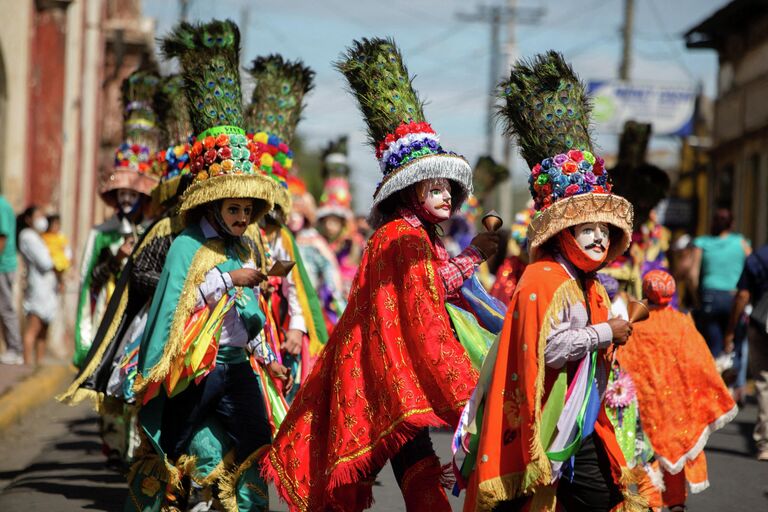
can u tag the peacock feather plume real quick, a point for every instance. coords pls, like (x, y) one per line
(208, 54)
(139, 116)
(379, 80)
(173, 111)
(278, 96)
(546, 107)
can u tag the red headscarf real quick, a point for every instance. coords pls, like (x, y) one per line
(575, 253)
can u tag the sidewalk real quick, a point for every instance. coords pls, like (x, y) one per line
(24, 387)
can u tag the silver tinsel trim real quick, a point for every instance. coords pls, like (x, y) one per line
(451, 167)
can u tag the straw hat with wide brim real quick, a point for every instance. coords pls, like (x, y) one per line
(571, 211)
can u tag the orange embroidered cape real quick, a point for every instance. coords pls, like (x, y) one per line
(511, 458)
(391, 367)
(681, 396)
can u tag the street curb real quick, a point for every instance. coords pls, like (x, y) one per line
(34, 390)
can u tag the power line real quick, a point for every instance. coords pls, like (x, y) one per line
(451, 31)
(675, 50)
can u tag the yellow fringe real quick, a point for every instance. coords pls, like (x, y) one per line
(218, 472)
(73, 395)
(228, 481)
(633, 502)
(254, 186)
(283, 199)
(208, 256)
(160, 229)
(165, 190)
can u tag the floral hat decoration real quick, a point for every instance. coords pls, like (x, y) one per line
(272, 117)
(173, 162)
(336, 198)
(547, 109)
(221, 163)
(133, 164)
(407, 148)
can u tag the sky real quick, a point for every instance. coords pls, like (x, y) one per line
(449, 57)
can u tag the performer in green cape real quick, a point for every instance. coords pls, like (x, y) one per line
(199, 393)
(126, 187)
(109, 368)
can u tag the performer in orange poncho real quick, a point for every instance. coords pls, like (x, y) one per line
(681, 397)
(392, 366)
(535, 433)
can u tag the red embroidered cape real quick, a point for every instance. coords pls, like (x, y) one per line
(391, 367)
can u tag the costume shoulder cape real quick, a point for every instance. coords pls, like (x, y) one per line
(681, 395)
(100, 237)
(190, 257)
(391, 367)
(120, 310)
(515, 386)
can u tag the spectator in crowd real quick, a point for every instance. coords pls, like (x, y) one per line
(753, 288)
(718, 260)
(40, 299)
(58, 245)
(8, 317)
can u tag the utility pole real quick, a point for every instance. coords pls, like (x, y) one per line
(184, 10)
(626, 33)
(495, 15)
(245, 19)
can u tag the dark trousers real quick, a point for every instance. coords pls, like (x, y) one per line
(712, 318)
(230, 393)
(415, 450)
(592, 488)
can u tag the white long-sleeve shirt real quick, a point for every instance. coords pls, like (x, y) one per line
(217, 284)
(571, 338)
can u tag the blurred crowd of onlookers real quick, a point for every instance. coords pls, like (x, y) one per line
(46, 256)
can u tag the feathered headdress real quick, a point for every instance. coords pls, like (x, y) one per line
(173, 161)
(223, 162)
(407, 147)
(273, 114)
(133, 166)
(336, 199)
(547, 109)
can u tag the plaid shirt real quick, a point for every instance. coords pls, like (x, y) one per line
(453, 271)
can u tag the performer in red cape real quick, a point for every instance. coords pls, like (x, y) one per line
(392, 366)
(535, 432)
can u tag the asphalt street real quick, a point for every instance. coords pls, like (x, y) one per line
(51, 461)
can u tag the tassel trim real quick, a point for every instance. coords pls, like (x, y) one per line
(358, 466)
(207, 257)
(73, 394)
(254, 186)
(229, 479)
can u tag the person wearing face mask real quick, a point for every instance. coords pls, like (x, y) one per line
(539, 436)
(392, 366)
(335, 218)
(296, 325)
(40, 291)
(126, 187)
(320, 261)
(200, 383)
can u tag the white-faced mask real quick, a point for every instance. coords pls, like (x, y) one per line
(594, 239)
(435, 197)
